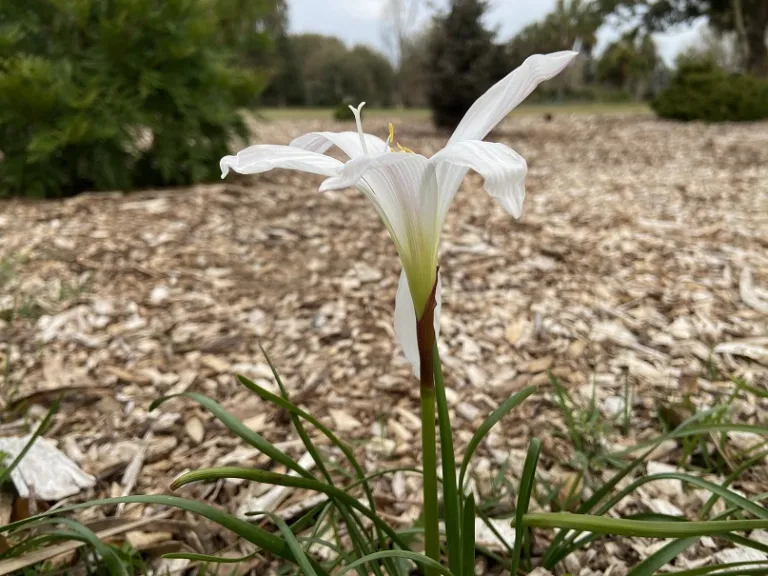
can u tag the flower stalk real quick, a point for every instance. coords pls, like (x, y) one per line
(425, 333)
(429, 458)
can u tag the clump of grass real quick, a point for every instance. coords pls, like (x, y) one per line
(586, 426)
(350, 523)
(7, 270)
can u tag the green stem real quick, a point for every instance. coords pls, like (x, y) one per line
(452, 516)
(639, 528)
(429, 451)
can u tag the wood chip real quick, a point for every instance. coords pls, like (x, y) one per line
(343, 421)
(44, 469)
(195, 430)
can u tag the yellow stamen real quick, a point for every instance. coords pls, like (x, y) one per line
(391, 140)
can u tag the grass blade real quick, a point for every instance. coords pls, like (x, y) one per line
(495, 531)
(75, 532)
(112, 561)
(295, 413)
(251, 533)
(320, 542)
(559, 548)
(240, 429)
(523, 500)
(349, 518)
(298, 552)
(696, 430)
(273, 478)
(31, 543)
(726, 569)
(291, 408)
(504, 408)
(662, 557)
(740, 502)
(209, 558)
(468, 538)
(639, 528)
(5, 473)
(405, 554)
(561, 543)
(450, 491)
(358, 535)
(746, 542)
(737, 472)
(724, 493)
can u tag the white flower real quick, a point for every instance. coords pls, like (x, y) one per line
(412, 193)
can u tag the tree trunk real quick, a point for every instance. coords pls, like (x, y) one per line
(756, 25)
(757, 60)
(742, 48)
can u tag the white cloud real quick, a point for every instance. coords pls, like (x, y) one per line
(368, 9)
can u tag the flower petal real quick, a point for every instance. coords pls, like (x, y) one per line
(405, 320)
(449, 178)
(403, 189)
(504, 169)
(501, 98)
(348, 142)
(261, 158)
(358, 167)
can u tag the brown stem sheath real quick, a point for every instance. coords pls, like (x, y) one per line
(425, 337)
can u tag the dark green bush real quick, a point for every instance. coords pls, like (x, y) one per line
(579, 94)
(115, 94)
(342, 113)
(462, 61)
(702, 91)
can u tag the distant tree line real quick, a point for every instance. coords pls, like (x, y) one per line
(315, 70)
(456, 57)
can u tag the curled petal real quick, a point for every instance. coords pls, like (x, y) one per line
(263, 157)
(347, 142)
(405, 320)
(504, 169)
(355, 169)
(501, 98)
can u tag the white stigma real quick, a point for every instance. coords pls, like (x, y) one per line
(359, 122)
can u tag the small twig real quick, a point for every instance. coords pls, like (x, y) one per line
(14, 565)
(131, 474)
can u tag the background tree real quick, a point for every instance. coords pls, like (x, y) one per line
(720, 48)
(286, 85)
(248, 28)
(332, 73)
(748, 19)
(412, 78)
(397, 20)
(320, 58)
(118, 94)
(570, 21)
(463, 61)
(629, 63)
(373, 77)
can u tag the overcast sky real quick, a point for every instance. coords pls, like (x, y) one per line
(358, 21)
